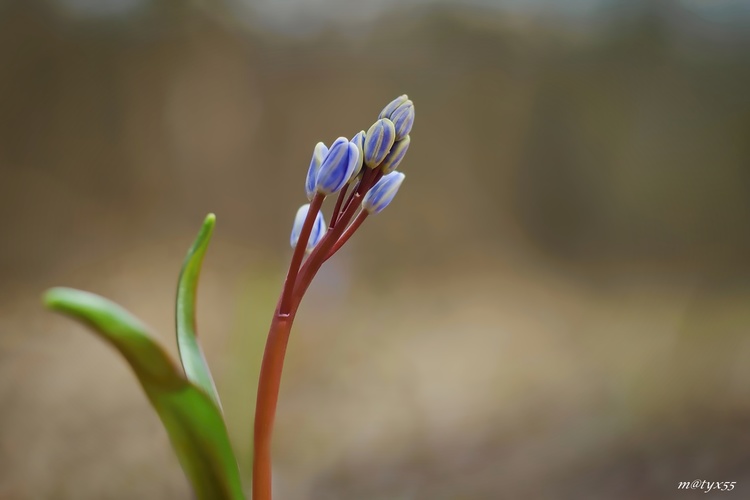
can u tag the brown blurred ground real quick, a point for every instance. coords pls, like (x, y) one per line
(556, 306)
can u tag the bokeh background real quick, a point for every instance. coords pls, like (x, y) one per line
(556, 305)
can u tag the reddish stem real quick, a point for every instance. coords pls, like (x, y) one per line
(323, 250)
(268, 397)
(348, 233)
(273, 363)
(364, 184)
(318, 256)
(297, 282)
(337, 207)
(378, 175)
(351, 195)
(299, 253)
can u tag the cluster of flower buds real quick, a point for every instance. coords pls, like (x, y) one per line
(367, 163)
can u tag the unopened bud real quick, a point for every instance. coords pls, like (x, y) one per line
(318, 229)
(391, 107)
(359, 141)
(378, 142)
(337, 167)
(403, 119)
(395, 156)
(319, 154)
(382, 193)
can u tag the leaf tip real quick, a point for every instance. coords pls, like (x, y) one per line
(54, 297)
(210, 220)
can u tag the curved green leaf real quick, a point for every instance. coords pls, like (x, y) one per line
(191, 354)
(193, 422)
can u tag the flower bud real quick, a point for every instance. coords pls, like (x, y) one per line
(359, 141)
(391, 107)
(403, 119)
(382, 193)
(378, 142)
(337, 167)
(319, 154)
(318, 229)
(397, 153)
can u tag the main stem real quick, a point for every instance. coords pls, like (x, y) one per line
(273, 363)
(297, 282)
(268, 397)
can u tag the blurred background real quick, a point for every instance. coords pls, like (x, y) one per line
(556, 305)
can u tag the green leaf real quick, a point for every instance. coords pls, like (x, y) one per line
(193, 422)
(191, 354)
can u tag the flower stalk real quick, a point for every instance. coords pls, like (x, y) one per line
(337, 206)
(331, 171)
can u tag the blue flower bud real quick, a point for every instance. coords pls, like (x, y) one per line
(382, 193)
(397, 153)
(359, 141)
(403, 119)
(378, 141)
(337, 167)
(386, 113)
(318, 229)
(319, 154)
